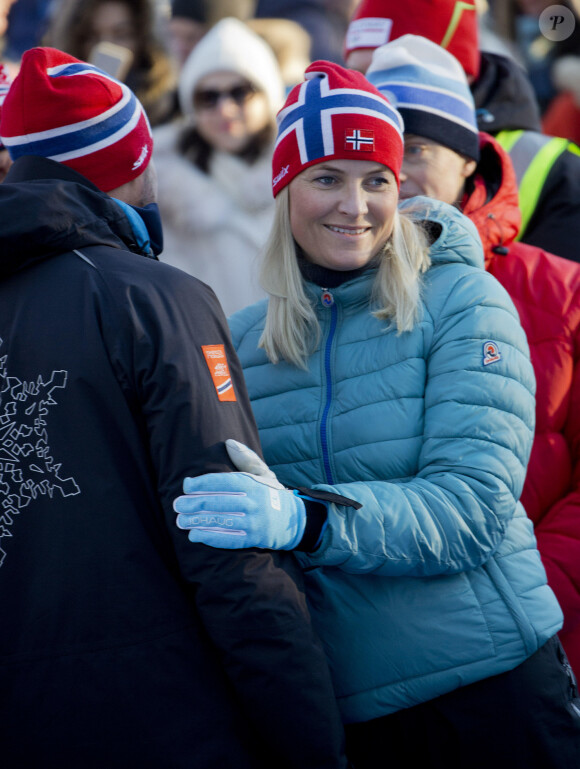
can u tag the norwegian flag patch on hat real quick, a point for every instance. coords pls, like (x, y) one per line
(74, 113)
(359, 139)
(335, 113)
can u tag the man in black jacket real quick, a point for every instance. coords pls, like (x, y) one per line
(121, 643)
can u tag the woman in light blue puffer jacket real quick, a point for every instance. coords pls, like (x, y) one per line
(391, 383)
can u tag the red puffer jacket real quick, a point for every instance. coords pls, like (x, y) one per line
(546, 292)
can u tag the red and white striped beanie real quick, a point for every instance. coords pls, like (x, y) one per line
(69, 111)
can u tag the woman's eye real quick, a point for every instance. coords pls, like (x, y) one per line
(379, 181)
(413, 150)
(325, 180)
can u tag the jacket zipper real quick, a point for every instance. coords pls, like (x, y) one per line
(328, 301)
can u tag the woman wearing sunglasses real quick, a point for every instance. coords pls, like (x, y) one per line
(214, 168)
(392, 386)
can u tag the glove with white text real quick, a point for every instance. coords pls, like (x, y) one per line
(235, 510)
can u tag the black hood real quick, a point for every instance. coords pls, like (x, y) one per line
(47, 209)
(504, 98)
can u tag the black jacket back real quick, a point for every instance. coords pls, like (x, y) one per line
(122, 644)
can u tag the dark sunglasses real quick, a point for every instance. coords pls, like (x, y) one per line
(209, 99)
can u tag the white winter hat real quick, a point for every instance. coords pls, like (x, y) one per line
(231, 46)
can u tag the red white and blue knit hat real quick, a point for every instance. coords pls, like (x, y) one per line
(430, 90)
(64, 109)
(335, 114)
(449, 23)
(4, 86)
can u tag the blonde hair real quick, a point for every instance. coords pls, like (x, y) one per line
(292, 330)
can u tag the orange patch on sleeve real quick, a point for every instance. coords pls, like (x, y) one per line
(215, 357)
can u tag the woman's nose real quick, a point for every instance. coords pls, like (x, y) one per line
(353, 200)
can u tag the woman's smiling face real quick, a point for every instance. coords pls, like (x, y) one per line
(342, 212)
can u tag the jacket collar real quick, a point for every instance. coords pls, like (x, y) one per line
(48, 209)
(493, 204)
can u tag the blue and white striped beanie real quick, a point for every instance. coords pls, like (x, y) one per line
(429, 88)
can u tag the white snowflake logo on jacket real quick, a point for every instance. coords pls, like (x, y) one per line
(27, 468)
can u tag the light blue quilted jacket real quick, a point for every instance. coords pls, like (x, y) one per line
(436, 581)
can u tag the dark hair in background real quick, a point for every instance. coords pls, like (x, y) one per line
(199, 151)
(151, 75)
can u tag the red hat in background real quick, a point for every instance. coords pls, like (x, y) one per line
(335, 114)
(69, 111)
(449, 23)
(4, 86)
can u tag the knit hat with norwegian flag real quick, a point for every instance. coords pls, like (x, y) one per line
(335, 114)
(66, 110)
(449, 23)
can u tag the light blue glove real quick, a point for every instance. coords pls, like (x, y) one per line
(250, 508)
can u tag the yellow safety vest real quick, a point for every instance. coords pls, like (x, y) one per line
(533, 154)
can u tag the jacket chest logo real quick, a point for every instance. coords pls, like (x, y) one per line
(491, 353)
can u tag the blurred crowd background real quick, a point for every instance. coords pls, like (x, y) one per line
(162, 33)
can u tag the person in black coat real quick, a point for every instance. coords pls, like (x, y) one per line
(121, 644)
